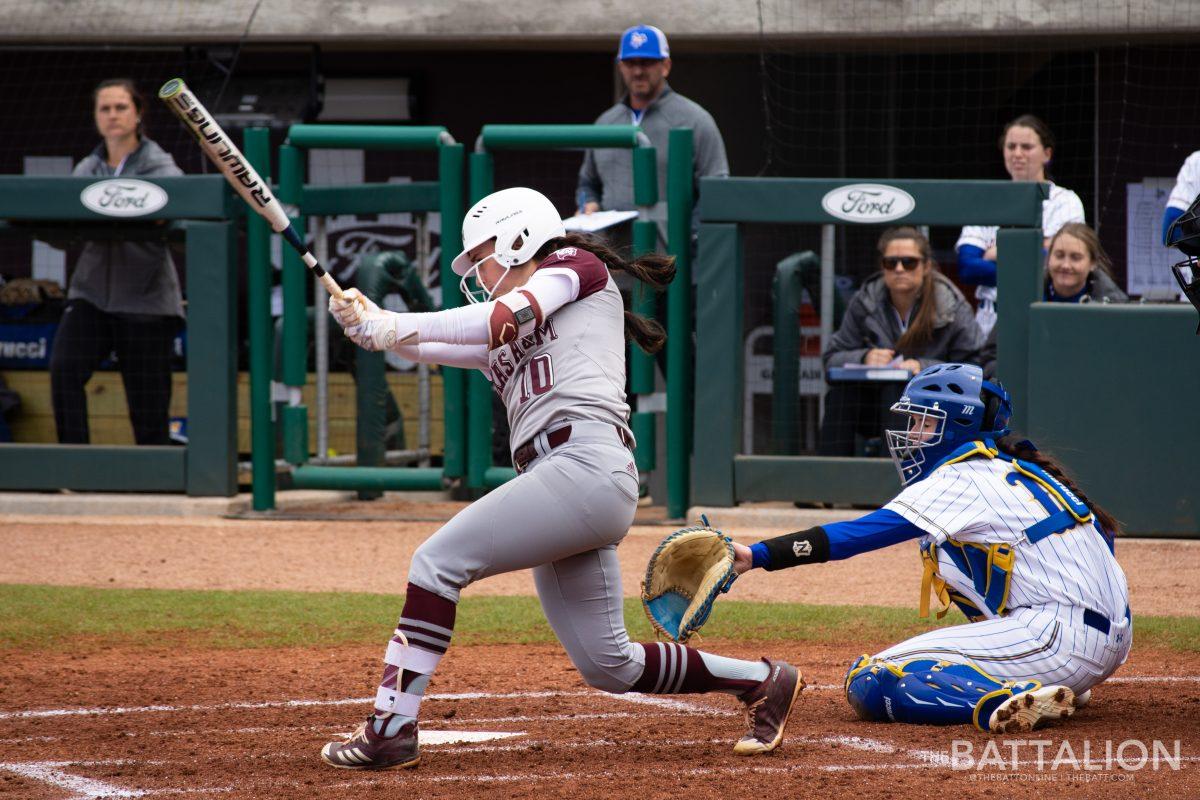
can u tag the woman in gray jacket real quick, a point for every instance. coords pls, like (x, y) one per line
(124, 295)
(908, 316)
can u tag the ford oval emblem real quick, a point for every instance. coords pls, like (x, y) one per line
(868, 202)
(123, 197)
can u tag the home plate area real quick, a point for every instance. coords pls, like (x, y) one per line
(544, 741)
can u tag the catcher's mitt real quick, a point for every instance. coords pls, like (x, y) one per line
(685, 575)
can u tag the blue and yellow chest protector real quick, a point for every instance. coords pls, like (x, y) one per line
(990, 566)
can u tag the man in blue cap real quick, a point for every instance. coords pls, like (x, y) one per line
(606, 177)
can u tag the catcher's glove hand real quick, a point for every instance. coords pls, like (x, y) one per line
(685, 575)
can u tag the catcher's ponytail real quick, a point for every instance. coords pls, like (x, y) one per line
(652, 269)
(1024, 451)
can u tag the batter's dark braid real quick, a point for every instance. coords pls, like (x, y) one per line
(653, 269)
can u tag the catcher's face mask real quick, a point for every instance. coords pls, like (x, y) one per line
(1187, 273)
(1184, 234)
(910, 447)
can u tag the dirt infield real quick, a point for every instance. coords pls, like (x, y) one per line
(248, 724)
(516, 721)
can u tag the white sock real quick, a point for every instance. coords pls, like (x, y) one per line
(735, 668)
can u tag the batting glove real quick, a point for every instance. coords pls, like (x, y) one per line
(352, 309)
(383, 330)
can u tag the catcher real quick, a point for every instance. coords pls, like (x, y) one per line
(1007, 537)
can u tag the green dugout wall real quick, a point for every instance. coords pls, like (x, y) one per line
(1095, 385)
(201, 210)
(1114, 388)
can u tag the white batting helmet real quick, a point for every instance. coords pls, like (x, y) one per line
(520, 220)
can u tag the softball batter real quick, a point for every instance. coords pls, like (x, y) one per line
(547, 326)
(1005, 536)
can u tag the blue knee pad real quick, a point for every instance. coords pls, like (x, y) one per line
(926, 692)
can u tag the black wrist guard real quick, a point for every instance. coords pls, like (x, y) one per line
(803, 547)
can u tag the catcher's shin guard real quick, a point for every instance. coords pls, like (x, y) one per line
(927, 692)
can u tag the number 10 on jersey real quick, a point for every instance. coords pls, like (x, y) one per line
(537, 378)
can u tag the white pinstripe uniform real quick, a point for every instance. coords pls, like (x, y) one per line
(1061, 207)
(1058, 585)
(1187, 183)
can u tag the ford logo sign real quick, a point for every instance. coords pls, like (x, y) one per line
(868, 202)
(122, 197)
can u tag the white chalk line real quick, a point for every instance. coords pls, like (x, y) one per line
(82, 788)
(669, 704)
(335, 728)
(632, 697)
(101, 711)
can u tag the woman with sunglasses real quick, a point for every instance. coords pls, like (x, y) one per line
(909, 315)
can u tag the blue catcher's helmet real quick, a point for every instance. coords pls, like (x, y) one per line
(947, 405)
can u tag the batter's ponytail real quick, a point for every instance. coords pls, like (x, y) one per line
(1025, 452)
(653, 269)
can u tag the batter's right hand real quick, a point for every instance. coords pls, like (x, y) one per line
(352, 309)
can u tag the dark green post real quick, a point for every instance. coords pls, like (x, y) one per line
(450, 188)
(644, 302)
(212, 361)
(1019, 284)
(257, 142)
(718, 413)
(788, 291)
(295, 316)
(680, 193)
(479, 391)
(370, 377)
(645, 176)
(641, 365)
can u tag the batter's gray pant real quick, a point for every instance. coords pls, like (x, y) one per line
(563, 517)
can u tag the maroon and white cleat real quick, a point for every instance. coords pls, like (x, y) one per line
(767, 708)
(366, 749)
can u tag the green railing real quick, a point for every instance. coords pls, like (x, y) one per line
(445, 196)
(201, 210)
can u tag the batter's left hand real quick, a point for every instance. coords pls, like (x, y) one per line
(383, 330)
(352, 309)
(743, 559)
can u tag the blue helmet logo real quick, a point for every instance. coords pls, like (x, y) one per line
(947, 406)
